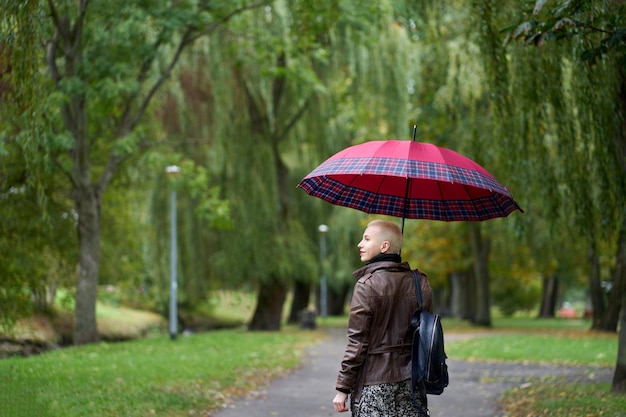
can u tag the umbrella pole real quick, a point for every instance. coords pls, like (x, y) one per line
(408, 185)
(406, 202)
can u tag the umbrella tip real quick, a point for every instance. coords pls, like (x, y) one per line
(414, 132)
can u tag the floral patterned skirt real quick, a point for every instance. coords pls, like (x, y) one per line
(387, 400)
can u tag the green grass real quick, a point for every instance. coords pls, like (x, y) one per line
(555, 341)
(119, 323)
(193, 375)
(598, 350)
(531, 323)
(153, 376)
(232, 305)
(498, 324)
(562, 399)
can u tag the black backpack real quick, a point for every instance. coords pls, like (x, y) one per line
(429, 372)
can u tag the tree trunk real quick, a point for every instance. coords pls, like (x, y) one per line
(274, 127)
(480, 250)
(462, 290)
(595, 290)
(269, 307)
(337, 300)
(87, 198)
(441, 301)
(470, 299)
(619, 377)
(300, 301)
(550, 290)
(88, 209)
(615, 304)
(457, 306)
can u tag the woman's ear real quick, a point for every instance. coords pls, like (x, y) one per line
(384, 247)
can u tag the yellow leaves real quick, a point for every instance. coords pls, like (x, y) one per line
(436, 247)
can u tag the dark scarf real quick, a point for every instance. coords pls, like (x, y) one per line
(389, 257)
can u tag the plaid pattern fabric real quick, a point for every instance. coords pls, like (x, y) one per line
(477, 197)
(328, 189)
(410, 180)
(403, 168)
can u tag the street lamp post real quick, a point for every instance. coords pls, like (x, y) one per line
(323, 284)
(173, 171)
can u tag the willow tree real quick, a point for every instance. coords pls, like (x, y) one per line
(589, 130)
(565, 111)
(305, 82)
(105, 61)
(36, 252)
(246, 94)
(450, 106)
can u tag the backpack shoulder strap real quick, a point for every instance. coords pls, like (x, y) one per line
(417, 382)
(418, 287)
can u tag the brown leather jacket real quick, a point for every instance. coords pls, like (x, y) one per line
(379, 331)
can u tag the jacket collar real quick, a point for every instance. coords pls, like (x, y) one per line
(386, 265)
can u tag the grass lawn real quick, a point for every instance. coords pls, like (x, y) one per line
(558, 398)
(151, 376)
(195, 374)
(560, 349)
(553, 341)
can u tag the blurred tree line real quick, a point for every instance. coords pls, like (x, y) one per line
(247, 97)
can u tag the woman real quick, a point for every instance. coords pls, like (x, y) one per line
(376, 367)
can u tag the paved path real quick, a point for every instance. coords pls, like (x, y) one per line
(474, 386)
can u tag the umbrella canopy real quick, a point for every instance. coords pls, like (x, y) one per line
(412, 180)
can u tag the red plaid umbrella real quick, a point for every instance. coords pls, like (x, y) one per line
(412, 180)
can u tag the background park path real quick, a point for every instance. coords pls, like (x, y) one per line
(473, 391)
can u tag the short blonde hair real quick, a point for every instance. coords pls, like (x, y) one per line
(390, 232)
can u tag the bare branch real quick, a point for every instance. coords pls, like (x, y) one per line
(131, 124)
(53, 13)
(592, 28)
(187, 39)
(107, 174)
(294, 119)
(51, 50)
(225, 19)
(127, 124)
(65, 172)
(78, 27)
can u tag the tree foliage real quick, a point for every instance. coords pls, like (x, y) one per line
(574, 128)
(106, 62)
(262, 97)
